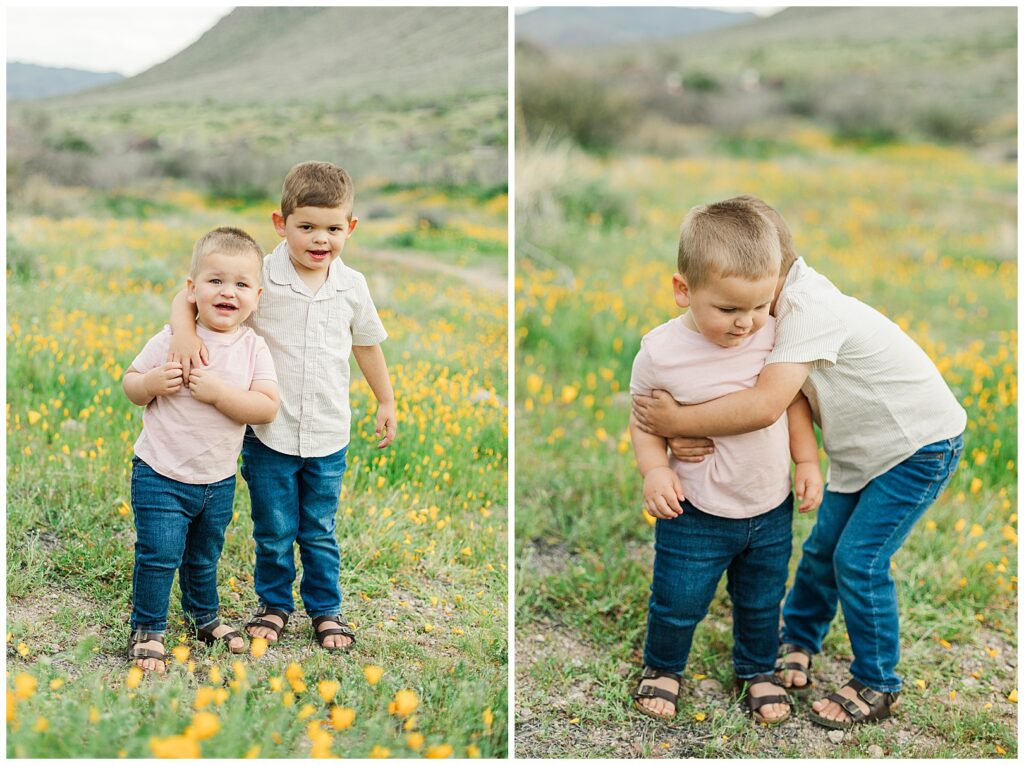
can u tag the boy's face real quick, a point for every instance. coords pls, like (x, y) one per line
(727, 309)
(316, 236)
(225, 290)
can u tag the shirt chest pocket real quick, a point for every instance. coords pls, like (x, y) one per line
(333, 322)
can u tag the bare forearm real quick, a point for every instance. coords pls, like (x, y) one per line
(248, 407)
(650, 450)
(370, 359)
(802, 444)
(183, 315)
(742, 412)
(135, 387)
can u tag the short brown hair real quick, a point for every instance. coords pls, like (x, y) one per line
(316, 184)
(729, 238)
(228, 240)
(789, 255)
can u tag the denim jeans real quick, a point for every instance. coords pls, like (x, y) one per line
(691, 552)
(178, 526)
(846, 561)
(294, 500)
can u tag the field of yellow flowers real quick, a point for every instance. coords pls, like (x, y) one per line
(924, 233)
(422, 525)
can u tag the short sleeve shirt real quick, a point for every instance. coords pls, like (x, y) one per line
(747, 474)
(876, 395)
(185, 439)
(310, 337)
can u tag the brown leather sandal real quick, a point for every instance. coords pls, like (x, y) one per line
(341, 629)
(782, 665)
(256, 621)
(880, 706)
(135, 652)
(754, 703)
(206, 635)
(651, 691)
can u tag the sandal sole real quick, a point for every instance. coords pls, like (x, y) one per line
(645, 711)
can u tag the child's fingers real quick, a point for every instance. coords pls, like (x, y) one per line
(665, 507)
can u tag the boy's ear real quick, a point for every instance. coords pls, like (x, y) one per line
(681, 290)
(190, 290)
(278, 222)
(352, 224)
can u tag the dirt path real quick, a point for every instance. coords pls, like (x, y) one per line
(486, 279)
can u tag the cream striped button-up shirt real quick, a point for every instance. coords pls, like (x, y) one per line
(310, 338)
(876, 395)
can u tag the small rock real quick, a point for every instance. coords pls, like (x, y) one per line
(836, 736)
(710, 684)
(540, 637)
(875, 751)
(524, 713)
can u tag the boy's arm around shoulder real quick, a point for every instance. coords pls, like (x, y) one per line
(186, 347)
(374, 367)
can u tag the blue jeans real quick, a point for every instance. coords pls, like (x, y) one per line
(178, 526)
(846, 561)
(691, 552)
(294, 500)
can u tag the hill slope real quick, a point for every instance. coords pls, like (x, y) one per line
(31, 81)
(329, 54)
(605, 26)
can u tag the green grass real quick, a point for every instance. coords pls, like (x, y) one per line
(422, 525)
(924, 234)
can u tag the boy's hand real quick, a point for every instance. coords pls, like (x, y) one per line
(163, 380)
(206, 386)
(663, 493)
(808, 485)
(654, 413)
(387, 425)
(191, 352)
(690, 449)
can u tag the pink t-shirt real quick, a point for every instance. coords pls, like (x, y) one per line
(185, 439)
(747, 474)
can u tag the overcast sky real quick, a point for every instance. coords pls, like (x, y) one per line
(125, 40)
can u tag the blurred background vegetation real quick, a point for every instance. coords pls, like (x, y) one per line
(867, 75)
(423, 103)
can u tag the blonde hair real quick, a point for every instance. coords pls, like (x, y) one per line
(229, 241)
(729, 238)
(317, 184)
(789, 254)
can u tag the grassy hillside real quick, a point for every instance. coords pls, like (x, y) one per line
(336, 55)
(604, 26)
(868, 74)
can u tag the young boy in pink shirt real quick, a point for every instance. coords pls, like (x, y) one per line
(731, 512)
(183, 472)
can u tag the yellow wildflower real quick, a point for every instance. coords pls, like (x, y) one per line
(342, 717)
(372, 673)
(328, 689)
(203, 726)
(404, 703)
(439, 752)
(135, 675)
(174, 747)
